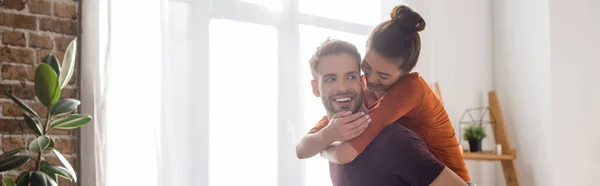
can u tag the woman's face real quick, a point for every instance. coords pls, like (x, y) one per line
(381, 73)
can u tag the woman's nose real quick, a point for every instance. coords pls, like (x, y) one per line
(372, 79)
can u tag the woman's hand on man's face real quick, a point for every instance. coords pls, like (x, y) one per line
(344, 126)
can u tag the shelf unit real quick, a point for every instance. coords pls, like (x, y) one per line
(508, 158)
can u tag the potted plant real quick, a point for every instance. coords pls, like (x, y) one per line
(474, 134)
(50, 79)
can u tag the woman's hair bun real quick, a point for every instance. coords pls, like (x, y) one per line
(407, 18)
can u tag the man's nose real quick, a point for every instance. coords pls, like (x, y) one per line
(343, 85)
(340, 85)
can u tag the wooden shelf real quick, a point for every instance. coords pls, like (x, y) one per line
(487, 156)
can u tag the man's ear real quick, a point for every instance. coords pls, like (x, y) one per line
(362, 80)
(315, 88)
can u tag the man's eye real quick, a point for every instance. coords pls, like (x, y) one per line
(329, 79)
(352, 77)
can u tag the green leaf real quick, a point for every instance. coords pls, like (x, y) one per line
(68, 65)
(23, 179)
(12, 162)
(46, 85)
(51, 143)
(21, 104)
(53, 170)
(32, 125)
(65, 163)
(11, 152)
(7, 181)
(71, 122)
(64, 106)
(39, 144)
(44, 169)
(53, 62)
(474, 133)
(39, 178)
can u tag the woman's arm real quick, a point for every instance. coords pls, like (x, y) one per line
(339, 153)
(343, 126)
(347, 151)
(312, 143)
(403, 97)
(448, 178)
(406, 95)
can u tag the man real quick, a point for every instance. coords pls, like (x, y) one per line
(397, 156)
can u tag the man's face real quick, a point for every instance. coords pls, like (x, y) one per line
(338, 84)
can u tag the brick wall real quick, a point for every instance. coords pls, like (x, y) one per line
(30, 29)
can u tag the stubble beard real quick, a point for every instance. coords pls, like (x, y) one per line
(328, 103)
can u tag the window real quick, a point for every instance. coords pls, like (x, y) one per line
(251, 47)
(132, 92)
(243, 104)
(273, 5)
(366, 12)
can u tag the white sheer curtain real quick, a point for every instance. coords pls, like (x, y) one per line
(201, 92)
(122, 83)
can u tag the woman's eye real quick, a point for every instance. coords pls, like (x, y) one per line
(352, 77)
(365, 66)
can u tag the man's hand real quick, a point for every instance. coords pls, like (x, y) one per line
(344, 125)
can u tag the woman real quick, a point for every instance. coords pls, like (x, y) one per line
(394, 93)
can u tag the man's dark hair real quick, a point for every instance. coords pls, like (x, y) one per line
(330, 47)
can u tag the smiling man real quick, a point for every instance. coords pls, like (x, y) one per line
(397, 156)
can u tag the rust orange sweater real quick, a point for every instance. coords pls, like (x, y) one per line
(413, 103)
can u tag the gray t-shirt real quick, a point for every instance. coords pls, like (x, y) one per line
(396, 157)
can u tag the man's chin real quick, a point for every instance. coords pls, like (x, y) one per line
(346, 109)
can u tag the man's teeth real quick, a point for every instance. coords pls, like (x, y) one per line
(342, 99)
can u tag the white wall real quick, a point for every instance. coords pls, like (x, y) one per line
(522, 81)
(461, 43)
(457, 53)
(546, 76)
(575, 39)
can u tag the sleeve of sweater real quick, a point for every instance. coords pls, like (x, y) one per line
(404, 96)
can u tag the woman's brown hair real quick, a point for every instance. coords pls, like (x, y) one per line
(398, 38)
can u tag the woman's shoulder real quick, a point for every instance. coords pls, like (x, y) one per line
(412, 84)
(413, 78)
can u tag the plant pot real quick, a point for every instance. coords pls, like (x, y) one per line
(475, 145)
